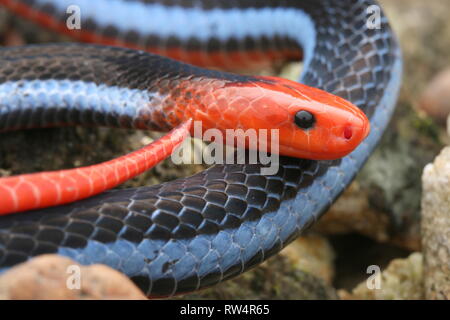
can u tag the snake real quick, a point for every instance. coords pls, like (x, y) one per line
(192, 232)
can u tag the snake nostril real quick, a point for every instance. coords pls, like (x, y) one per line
(348, 132)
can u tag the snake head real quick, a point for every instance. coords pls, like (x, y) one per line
(311, 123)
(317, 125)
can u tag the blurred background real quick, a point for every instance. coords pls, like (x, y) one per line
(375, 222)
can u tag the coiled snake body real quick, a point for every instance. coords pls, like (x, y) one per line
(192, 232)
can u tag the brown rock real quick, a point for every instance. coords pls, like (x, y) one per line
(314, 254)
(436, 226)
(56, 277)
(353, 213)
(435, 100)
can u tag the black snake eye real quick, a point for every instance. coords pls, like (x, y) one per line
(304, 119)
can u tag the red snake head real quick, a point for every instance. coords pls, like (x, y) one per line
(310, 123)
(313, 124)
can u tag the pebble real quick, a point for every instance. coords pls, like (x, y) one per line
(435, 100)
(59, 278)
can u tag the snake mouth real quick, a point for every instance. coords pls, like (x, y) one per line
(351, 131)
(353, 135)
(348, 132)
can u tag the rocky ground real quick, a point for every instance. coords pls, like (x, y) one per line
(377, 221)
